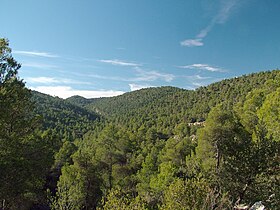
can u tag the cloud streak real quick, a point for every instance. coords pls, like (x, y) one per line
(192, 43)
(66, 92)
(38, 65)
(51, 80)
(140, 76)
(205, 67)
(117, 62)
(227, 7)
(143, 75)
(197, 77)
(35, 54)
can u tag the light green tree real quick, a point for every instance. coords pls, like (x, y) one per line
(70, 189)
(191, 195)
(269, 113)
(116, 199)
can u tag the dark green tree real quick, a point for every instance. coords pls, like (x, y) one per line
(24, 156)
(225, 150)
(79, 185)
(8, 65)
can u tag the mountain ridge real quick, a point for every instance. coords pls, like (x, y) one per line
(157, 106)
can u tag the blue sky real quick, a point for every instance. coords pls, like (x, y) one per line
(98, 48)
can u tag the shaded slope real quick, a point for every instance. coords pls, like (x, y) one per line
(67, 119)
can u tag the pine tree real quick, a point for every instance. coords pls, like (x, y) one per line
(24, 156)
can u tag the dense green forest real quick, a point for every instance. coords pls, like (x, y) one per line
(216, 147)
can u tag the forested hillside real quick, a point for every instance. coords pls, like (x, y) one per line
(140, 150)
(166, 107)
(152, 155)
(67, 119)
(191, 104)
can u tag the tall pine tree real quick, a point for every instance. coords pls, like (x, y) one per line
(23, 154)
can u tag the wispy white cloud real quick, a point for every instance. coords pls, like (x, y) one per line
(227, 6)
(226, 9)
(97, 76)
(143, 75)
(51, 80)
(192, 42)
(197, 77)
(35, 53)
(134, 87)
(43, 80)
(66, 92)
(205, 67)
(38, 65)
(140, 76)
(195, 81)
(120, 63)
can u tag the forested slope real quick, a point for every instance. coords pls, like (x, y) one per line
(142, 150)
(189, 103)
(67, 119)
(147, 154)
(165, 107)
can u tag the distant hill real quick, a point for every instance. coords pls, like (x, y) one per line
(159, 107)
(68, 119)
(174, 105)
(79, 100)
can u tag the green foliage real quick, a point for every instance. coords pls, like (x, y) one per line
(269, 113)
(68, 120)
(162, 180)
(176, 151)
(192, 195)
(147, 149)
(79, 184)
(265, 147)
(166, 107)
(8, 65)
(237, 150)
(25, 154)
(70, 192)
(151, 151)
(116, 199)
(63, 156)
